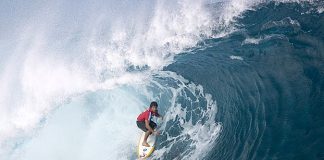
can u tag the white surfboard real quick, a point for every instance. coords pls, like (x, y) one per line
(142, 151)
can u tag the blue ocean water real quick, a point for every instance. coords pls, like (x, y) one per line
(268, 80)
(233, 79)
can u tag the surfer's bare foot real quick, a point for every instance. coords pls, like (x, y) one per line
(145, 144)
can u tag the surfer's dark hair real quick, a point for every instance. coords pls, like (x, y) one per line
(153, 104)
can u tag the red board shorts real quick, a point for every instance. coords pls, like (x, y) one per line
(141, 125)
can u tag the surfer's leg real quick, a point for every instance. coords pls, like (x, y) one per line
(147, 134)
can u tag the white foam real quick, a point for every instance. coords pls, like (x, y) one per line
(320, 10)
(99, 125)
(252, 41)
(170, 30)
(202, 134)
(236, 57)
(61, 52)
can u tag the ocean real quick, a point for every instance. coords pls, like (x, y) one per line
(233, 79)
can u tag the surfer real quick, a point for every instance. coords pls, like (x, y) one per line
(145, 123)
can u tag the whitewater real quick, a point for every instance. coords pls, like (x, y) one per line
(75, 75)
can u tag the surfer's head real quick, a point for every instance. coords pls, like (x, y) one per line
(153, 106)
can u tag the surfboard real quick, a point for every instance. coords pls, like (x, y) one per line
(142, 151)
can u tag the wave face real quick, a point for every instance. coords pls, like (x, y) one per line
(235, 80)
(267, 78)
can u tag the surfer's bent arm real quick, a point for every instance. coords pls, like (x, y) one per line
(147, 125)
(158, 115)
